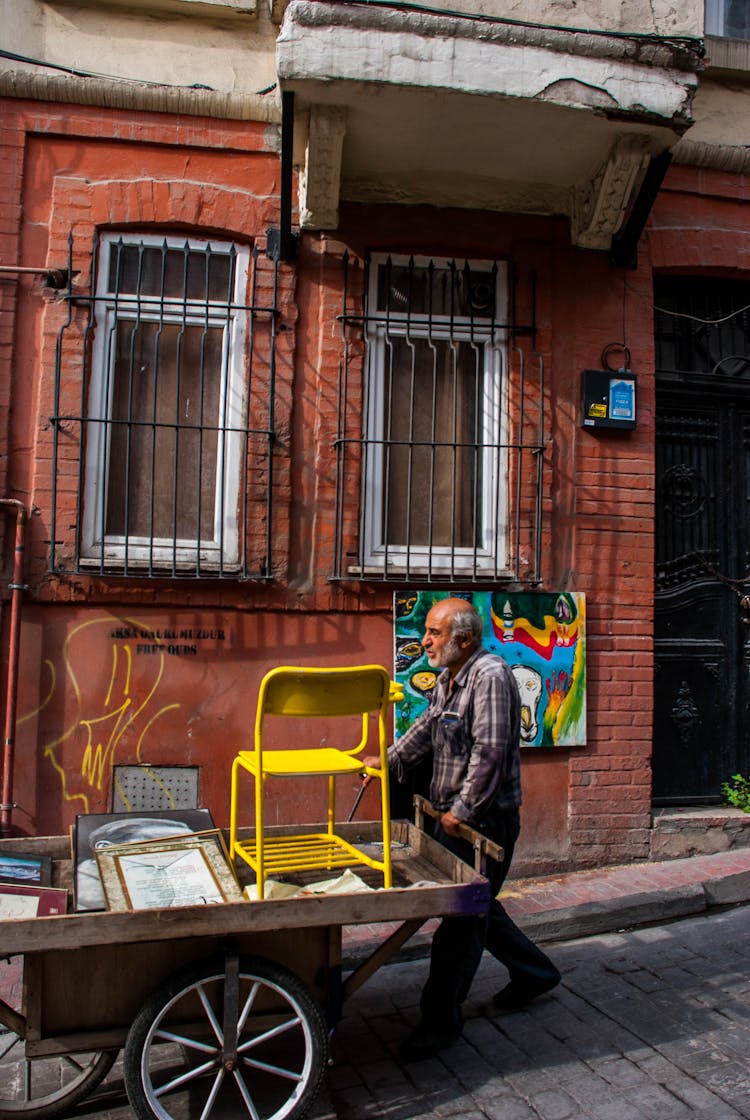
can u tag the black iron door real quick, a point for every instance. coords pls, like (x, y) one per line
(702, 636)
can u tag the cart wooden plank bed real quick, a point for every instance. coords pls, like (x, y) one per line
(222, 1010)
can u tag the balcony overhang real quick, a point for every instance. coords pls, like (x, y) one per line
(425, 107)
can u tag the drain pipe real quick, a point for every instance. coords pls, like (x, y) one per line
(17, 587)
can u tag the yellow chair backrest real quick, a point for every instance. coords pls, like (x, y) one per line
(302, 693)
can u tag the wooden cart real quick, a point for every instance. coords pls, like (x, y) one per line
(222, 1010)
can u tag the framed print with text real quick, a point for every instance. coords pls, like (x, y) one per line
(178, 871)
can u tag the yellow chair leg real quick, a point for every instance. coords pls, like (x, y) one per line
(233, 812)
(331, 804)
(260, 872)
(385, 809)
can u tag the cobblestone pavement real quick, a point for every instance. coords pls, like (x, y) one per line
(647, 1023)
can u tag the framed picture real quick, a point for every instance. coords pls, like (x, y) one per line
(94, 832)
(22, 901)
(541, 635)
(20, 867)
(190, 870)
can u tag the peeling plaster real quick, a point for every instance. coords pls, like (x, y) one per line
(572, 92)
(320, 43)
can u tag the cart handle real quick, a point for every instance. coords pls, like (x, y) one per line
(483, 847)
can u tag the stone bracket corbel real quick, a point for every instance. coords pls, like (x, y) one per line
(320, 178)
(600, 205)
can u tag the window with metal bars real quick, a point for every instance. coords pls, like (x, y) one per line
(170, 462)
(728, 18)
(429, 432)
(702, 326)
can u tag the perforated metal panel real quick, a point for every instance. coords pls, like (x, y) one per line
(154, 787)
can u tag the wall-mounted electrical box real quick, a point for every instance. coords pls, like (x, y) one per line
(608, 398)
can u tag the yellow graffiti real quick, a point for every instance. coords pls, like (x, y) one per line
(40, 708)
(149, 725)
(51, 757)
(103, 729)
(97, 754)
(126, 686)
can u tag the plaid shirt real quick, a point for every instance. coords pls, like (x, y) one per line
(474, 735)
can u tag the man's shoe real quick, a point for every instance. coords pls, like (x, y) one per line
(513, 997)
(425, 1043)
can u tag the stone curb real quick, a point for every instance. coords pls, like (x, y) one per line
(590, 918)
(596, 917)
(729, 889)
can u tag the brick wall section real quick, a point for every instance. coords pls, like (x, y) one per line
(83, 169)
(599, 498)
(12, 138)
(87, 170)
(610, 784)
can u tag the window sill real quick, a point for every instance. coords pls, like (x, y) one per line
(116, 566)
(435, 574)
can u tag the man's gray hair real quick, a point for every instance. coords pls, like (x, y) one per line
(467, 621)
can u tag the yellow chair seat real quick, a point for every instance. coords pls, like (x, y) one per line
(303, 852)
(303, 762)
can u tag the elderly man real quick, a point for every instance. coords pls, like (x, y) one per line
(472, 730)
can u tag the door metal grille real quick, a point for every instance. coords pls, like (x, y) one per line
(701, 648)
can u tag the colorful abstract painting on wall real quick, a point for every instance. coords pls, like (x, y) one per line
(542, 637)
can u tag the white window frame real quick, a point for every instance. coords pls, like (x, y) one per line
(716, 19)
(165, 552)
(492, 551)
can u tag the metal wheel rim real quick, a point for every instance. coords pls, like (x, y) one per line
(211, 1065)
(85, 1068)
(59, 1081)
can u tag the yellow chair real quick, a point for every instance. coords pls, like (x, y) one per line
(302, 693)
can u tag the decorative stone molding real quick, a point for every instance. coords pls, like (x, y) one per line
(111, 93)
(600, 206)
(734, 158)
(320, 179)
(219, 9)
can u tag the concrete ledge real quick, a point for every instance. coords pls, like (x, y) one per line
(728, 890)
(686, 832)
(603, 917)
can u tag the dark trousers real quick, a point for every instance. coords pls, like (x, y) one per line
(458, 943)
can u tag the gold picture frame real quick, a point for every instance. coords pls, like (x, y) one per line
(186, 870)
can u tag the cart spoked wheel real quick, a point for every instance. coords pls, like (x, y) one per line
(235, 1037)
(45, 1087)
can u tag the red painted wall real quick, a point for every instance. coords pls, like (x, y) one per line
(102, 687)
(93, 690)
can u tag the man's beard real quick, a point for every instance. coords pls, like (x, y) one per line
(447, 655)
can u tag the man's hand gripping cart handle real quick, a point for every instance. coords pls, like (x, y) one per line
(483, 847)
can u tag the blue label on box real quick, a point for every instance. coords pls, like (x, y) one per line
(622, 400)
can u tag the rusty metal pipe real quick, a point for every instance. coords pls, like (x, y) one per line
(17, 588)
(24, 269)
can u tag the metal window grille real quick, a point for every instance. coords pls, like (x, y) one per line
(702, 326)
(163, 412)
(440, 434)
(702, 336)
